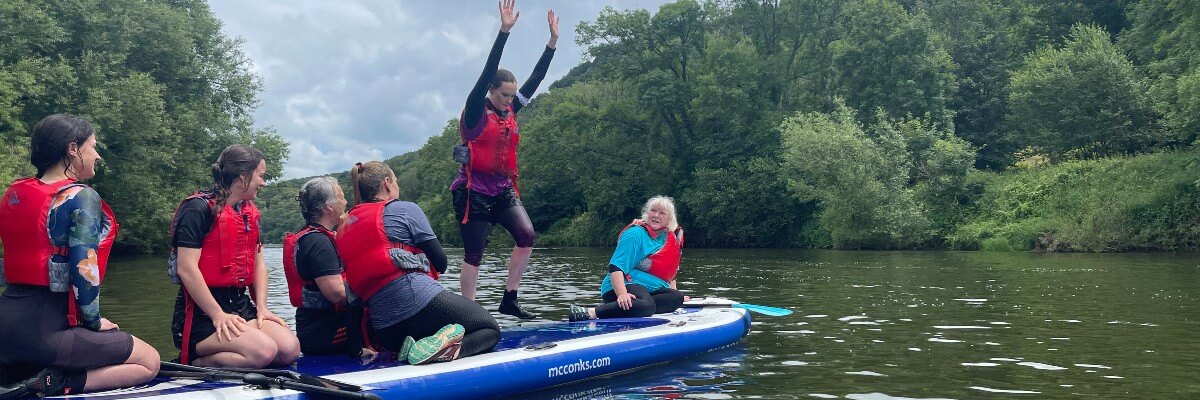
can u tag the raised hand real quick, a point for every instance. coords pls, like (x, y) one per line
(508, 17)
(552, 19)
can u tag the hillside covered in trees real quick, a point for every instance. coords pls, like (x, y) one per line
(968, 124)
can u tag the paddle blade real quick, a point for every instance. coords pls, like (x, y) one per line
(765, 310)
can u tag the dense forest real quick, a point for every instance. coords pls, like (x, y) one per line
(164, 88)
(1062, 125)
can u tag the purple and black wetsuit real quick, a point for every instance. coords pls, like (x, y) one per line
(493, 200)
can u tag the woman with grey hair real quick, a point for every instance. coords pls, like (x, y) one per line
(327, 319)
(641, 272)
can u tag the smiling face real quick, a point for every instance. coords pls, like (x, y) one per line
(503, 95)
(246, 187)
(83, 158)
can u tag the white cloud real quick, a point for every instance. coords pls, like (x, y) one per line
(358, 80)
(311, 112)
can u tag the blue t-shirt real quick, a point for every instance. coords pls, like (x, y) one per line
(634, 245)
(400, 299)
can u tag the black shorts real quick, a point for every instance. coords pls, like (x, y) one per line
(34, 326)
(484, 207)
(324, 332)
(232, 300)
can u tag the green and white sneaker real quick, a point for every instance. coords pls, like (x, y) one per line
(442, 346)
(406, 348)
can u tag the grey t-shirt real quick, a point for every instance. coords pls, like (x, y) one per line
(400, 299)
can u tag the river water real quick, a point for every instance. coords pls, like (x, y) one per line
(867, 325)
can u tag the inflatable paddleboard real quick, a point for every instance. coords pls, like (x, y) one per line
(528, 358)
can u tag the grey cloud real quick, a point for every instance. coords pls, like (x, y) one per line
(347, 81)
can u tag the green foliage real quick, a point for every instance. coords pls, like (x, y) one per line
(164, 88)
(1082, 100)
(586, 229)
(865, 185)
(1163, 39)
(1147, 202)
(691, 102)
(755, 190)
(890, 60)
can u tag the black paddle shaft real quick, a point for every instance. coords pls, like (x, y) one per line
(266, 382)
(284, 381)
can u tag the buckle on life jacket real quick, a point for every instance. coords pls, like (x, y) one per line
(61, 251)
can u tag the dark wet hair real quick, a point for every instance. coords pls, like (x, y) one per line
(235, 161)
(51, 138)
(367, 178)
(502, 75)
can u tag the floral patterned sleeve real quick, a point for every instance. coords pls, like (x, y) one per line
(87, 224)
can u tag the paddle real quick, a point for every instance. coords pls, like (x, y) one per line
(765, 310)
(259, 377)
(14, 392)
(719, 302)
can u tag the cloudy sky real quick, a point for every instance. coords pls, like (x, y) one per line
(347, 81)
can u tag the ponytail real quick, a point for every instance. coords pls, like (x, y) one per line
(354, 178)
(236, 161)
(368, 179)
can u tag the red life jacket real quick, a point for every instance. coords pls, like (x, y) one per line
(494, 151)
(227, 254)
(364, 249)
(25, 210)
(664, 263)
(298, 286)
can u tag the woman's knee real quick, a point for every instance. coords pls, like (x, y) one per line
(261, 350)
(145, 355)
(525, 236)
(488, 337)
(643, 307)
(288, 351)
(287, 345)
(473, 258)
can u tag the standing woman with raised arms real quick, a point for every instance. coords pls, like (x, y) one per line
(57, 233)
(216, 256)
(485, 191)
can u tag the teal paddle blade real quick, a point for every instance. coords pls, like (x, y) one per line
(766, 310)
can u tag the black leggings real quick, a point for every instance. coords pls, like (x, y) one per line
(475, 232)
(504, 208)
(447, 308)
(646, 304)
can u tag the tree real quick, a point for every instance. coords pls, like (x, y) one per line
(885, 58)
(1163, 38)
(166, 90)
(1084, 99)
(859, 184)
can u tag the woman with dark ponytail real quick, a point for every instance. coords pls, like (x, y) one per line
(392, 261)
(485, 191)
(57, 234)
(216, 256)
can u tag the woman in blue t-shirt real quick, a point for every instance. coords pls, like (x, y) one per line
(641, 272)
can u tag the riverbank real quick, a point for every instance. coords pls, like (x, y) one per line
(1139, 203)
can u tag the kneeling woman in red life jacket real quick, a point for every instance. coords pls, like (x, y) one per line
(328, 319)
(216, 257)
(392, 260)
(57, 234)
(641, 272)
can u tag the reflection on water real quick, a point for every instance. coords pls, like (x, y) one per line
(868, 325)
